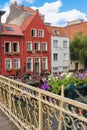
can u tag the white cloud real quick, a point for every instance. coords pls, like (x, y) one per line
(51, 7)
(53, 16)
(64, 17)
(51, 11)
(7, 9)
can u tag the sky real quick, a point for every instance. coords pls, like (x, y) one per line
(56, 12)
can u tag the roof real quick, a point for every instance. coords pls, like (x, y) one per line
(55, 31)
(71, 30)
(25, 9)
(11, 29)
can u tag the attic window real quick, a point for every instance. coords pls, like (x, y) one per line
(56, 32)
(9, 29)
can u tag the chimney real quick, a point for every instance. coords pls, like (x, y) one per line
(15, 3)
(1, 13)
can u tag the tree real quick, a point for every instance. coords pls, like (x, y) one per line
(78, 48)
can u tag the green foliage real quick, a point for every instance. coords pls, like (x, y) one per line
(58, 83)
(78, 48)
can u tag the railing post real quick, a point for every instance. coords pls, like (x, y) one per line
(60, 113)
(9, 98)
(40, 113)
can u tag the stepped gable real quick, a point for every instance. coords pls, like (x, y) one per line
(11, 29)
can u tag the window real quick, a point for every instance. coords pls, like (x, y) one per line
(65, 68)
(33, 32)
(29, 46)
(7, 47)
(37, 46)
(55, 68)
(44, 46)
(17, 63)
(64, 44)
(8, 64)
(16, 47)
(55, 43)
(37, 65)
(9, 28)
(55, 56)
(65, 55)
(40, 33)
(44, 63)
(29, 64)
(56, 32)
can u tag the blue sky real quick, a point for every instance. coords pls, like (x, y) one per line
(57, 12)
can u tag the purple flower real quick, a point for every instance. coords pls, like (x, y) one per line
(76, 75)
(83, 76)
(60, 77)
(45, 86)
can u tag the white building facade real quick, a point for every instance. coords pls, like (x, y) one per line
(60, 54)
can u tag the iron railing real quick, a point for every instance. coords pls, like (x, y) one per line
(31, 108)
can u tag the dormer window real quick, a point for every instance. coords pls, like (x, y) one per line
(9, 28)
(56, 32)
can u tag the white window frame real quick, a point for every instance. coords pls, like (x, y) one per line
(55, 43)
(65, 56)
(17, 48)
(44, 63)
(29, 46)
(44, 46)
(56, 32)
(33, 32)
(8, 65)
(9, 49)
(37, 60)
(40, 33)
(55, 56)
(31, 62)
(16, 64)
(65, 43)
(37, 48)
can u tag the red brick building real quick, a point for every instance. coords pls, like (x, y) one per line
(24, 42)
(11, 44)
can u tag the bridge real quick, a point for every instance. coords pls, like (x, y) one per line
(30, 108)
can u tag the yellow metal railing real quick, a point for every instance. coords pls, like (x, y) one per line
(31, 108)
